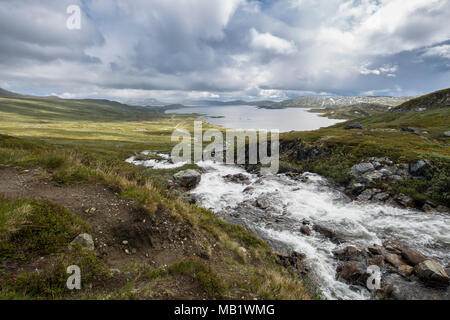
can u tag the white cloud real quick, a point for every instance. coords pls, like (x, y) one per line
(440, 51)
(267, 41)
(389, 69)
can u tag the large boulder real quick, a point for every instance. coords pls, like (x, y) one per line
(188, 179)
(85, 241)
(432, 273)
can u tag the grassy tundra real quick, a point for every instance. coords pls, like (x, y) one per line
(77, 147)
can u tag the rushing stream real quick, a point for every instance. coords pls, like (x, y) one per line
(311, 200)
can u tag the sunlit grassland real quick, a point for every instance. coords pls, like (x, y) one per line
(100, 126)
(83, 142)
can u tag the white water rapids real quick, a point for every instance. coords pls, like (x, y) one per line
(293, 202)
(314, 201)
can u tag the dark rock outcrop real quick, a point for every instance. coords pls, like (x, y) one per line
(354, 126)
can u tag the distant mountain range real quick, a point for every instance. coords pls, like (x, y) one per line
(334, 102)
(313, 102)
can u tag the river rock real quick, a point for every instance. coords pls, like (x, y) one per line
(356, 188)
(262, 203)
(354, 126)
(293, 260)
(305, 230)
(324, 231)
(381, 197)
(405, 271)
(431, 272)
(238, 178)
(376, 250)
(366, 195)
(362, 168)
(376, 260)
(393, 246)
(405, 201)
(349, 253)
(412, 256)
(395, 260)
(353, 272)
(85, 241)
(188, 179)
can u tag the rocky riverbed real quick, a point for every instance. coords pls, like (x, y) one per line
(332, 237)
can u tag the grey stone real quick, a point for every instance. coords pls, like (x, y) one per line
(381, 197)
(366, 195)
(419, 168)
(85, 241)
(362, 168)
(262, 203)
(405, 200)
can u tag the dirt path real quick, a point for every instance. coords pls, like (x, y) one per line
(122, 233)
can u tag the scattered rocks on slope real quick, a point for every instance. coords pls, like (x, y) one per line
(188, 179)
(85, 241)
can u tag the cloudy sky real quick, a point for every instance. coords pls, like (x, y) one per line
(225, 49)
